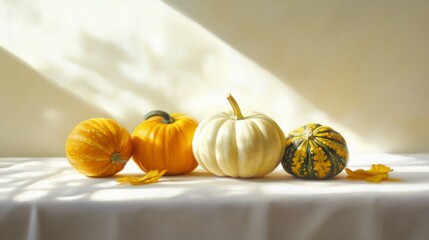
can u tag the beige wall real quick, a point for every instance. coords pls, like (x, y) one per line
(35, 115)
(359, 67)
(363, 63)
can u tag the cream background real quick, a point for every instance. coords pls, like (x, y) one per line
(359, 67)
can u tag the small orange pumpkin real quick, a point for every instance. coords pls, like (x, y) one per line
(99, 147)
(164, 142)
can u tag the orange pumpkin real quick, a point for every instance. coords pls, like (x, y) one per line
(99, 147)
(164, 142)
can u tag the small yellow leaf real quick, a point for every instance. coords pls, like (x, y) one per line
(377, 178)
(379, 168)
(376, 173)
(360, 173)
(152, 176)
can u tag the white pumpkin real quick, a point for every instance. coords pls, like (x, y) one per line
(230, 144)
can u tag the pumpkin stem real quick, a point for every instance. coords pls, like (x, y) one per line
(237, 112)
(166, 118)
(116, 158)
(308, 134)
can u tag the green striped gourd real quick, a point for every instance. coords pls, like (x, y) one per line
(315, 152)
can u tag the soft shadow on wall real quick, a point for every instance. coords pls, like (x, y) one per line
(363, 63)
(36, 115)
(129, 58)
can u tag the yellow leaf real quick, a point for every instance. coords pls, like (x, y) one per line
(377, 178)
(152, 176)
(379, 168)
(376, 173)
(360, 173)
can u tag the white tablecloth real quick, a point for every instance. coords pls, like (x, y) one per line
(44, 198)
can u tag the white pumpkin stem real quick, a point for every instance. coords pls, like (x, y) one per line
(237, 112)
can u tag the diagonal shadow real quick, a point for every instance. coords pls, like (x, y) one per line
(362, 64)
(36, 113)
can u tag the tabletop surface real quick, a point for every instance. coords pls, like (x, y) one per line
(39, 197)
